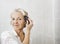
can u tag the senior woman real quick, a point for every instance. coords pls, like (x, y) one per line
(19, 21)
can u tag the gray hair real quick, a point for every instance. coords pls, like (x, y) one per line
(22, 11)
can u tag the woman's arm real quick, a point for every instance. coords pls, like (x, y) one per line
(27, 34)
(27, 38)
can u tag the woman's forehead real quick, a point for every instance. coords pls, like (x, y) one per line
(17, 14)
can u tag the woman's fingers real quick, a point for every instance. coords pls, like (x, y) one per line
(29, 24)
(30, 21)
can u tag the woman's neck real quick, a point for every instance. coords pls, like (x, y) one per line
(21, 34)
(19, 31)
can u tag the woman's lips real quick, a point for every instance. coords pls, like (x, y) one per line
(16, 25)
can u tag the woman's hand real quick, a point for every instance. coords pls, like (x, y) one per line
(29, 24)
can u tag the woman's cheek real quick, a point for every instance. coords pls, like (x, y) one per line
(12, 23)
(22, 24)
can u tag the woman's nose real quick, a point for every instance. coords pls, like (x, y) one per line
(16, 22)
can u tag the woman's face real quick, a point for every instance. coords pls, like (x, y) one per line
(17, 20)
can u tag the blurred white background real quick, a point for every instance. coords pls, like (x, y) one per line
(40, 11)
(57, 21)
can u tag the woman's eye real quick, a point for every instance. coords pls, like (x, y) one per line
(19, 19)
(13, 18)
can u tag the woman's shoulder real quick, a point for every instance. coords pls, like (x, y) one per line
(5, 34)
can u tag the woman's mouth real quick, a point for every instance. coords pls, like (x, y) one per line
(16, 25)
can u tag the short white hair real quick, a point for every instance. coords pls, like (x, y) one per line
(22, 11)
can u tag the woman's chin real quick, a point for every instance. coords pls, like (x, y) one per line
(16, 28)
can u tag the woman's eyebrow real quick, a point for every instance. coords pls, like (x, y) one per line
(18, 17)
